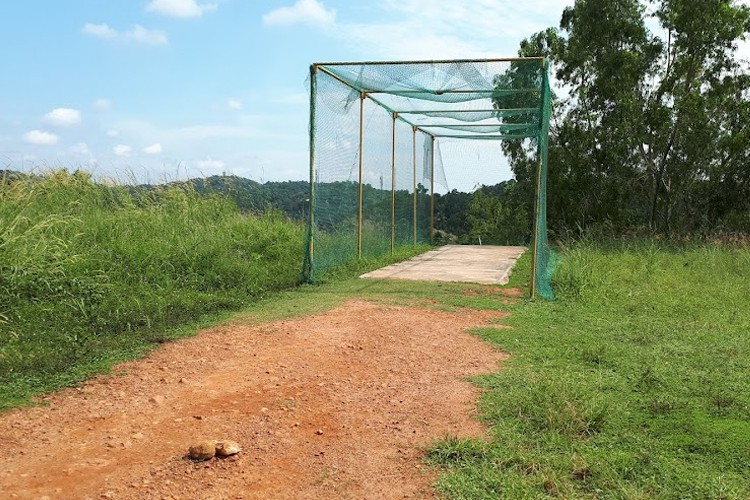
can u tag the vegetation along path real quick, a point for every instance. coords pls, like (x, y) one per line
(339, 404)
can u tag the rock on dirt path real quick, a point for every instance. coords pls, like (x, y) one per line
(336, 405)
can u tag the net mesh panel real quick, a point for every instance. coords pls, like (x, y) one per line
(376, 180)
(398, 116)
(404, 196)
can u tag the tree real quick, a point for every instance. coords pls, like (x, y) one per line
(652, 130)
(496, 218)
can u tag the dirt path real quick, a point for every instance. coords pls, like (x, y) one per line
(337, 405)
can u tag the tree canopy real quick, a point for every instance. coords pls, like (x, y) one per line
(651, 117)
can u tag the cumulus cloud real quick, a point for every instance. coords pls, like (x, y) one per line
(102, 104)
(63, 117)
(113, 133)
(122, 150)
(153, 149)
(235, 104)
(180, 8)
(211, 164)
(138, 34)
(303, 11)
(40, 137)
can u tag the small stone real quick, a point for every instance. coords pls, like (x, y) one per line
(319, 432)
(227, 448)
(205, 450)
(159, 400)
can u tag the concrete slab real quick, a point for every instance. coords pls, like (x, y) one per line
(485, 264)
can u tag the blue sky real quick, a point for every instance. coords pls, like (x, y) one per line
(165, 89)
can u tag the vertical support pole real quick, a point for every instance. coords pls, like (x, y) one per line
(361, 148)
(432, 191)
(393, 185)
(309, 260)
(414, 171)
(535, 236)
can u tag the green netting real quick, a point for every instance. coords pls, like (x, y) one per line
(375, 160)
(543, 261)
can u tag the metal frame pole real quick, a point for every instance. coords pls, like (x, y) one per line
(414, 171)
(432, 192)
(361, 148)
(535, 236)
(308, 267)
(393, 185)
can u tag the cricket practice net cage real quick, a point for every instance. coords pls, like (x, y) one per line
(376, 130)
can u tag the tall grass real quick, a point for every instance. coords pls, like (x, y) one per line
(634, 384)
(90, 272)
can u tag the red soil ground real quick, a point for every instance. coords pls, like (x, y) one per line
(336, 405)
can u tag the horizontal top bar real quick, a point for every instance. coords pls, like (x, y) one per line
(455, 91)
(459, 111)
(433, 61)
(486, 136)
(499, 125)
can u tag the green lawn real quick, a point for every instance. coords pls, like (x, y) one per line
(634, 384)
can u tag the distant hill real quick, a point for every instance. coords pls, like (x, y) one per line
(290, 197)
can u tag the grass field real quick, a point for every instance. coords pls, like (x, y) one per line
(634, 384)
(91, 274)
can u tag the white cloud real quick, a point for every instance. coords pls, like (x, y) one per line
(235, 104)
(122, 150)
(80, 148)
(113, 133)
(102, 104)
(426, 29)
(40, 137)
(100, 31)
(180, 8)
(138, 34)
(153, 149)
(211, 164)
(303, 11)
(63, 117)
